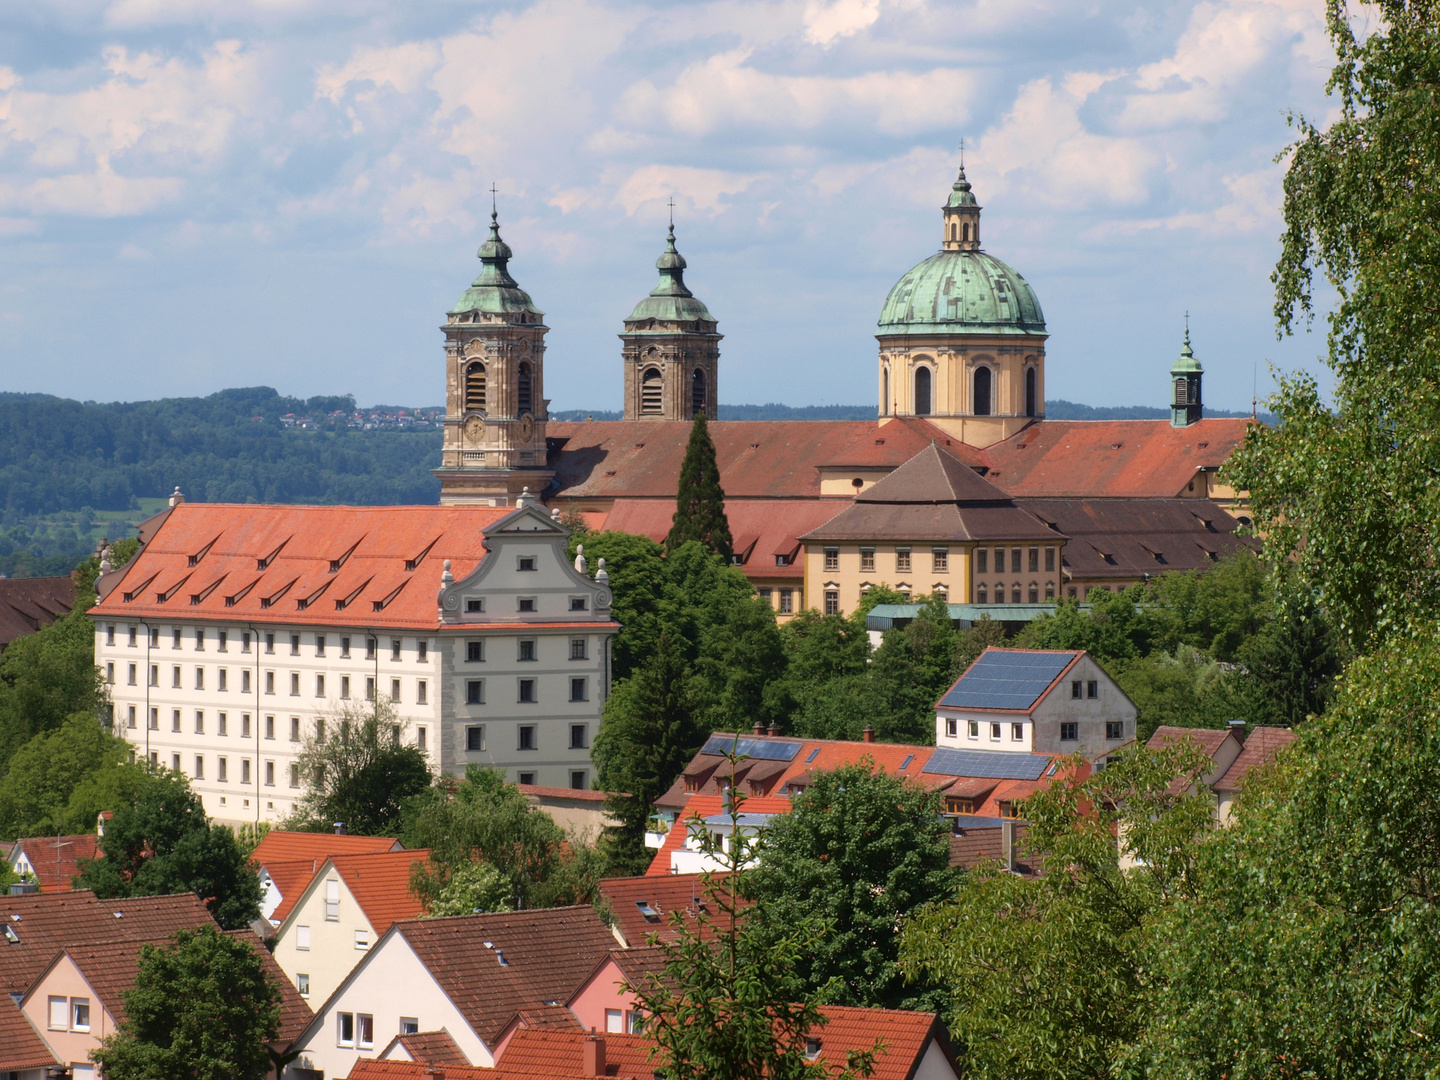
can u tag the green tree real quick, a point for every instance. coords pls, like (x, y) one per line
(699, 498)
(44, 774)
(484, 819)
(728, 1004)
(858, 851)
(162, 843)
(357, 770)
(1215, 610)
(911, 669)
(640, 590)
(650, 731)
(202, 1007)
(1309, 943)
(474, 887)
(1348, 490)
(1046, 977)
(1117, 626)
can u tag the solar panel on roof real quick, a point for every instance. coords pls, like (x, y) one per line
(990, 764)
(1006, 680)
(764, 749)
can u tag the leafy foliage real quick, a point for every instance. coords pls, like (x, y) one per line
(357, 770)
(202, 1007)
(52, 780)
(474, 887)
(1047, 976)
(858, 851)
(699, 498)
(162, 843)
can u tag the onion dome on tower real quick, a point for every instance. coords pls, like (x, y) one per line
(671, 348)
(495, 292)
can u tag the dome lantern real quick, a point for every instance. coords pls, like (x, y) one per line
(961, 217)
(1185, 403)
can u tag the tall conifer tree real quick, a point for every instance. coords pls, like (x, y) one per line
(700, 501)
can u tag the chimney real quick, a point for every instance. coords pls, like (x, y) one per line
(339, 828)
(759, 728)
(774, 729)
(868, 735)
(434, 1074)
(177, 498)
(1007, 845)
(1238, 727)
(592, 1061)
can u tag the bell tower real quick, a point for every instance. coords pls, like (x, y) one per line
(495, 408)
(671, 348)
(1185, 404)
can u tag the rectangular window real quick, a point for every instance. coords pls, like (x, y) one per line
(422, 650)
(294, 684)
(527, 649)
(175, 762)
(154, 674)
(994, 732)
(527, 604)
(154, 637)
(59, 1013)
(767, 595)
(245, 770)
(787, 601)
(222, 724)
(269, 727)
(345, 648)
(332, 900)
(344, 687)
(475, 692)
(294, 776)
(319, 644)
(222, 679)
(475, 739)
(295, 729)
(832, 559)
(525, 778)
(474, 651)
(902, 560)
(245, 641)
(130, 718)
(79, 1014)
(1050, 559)
(474, 605)
(867, 560)
(1017, 732)
(174, 719)
(269, 641)
(1070, 592)
(577, 648)
(369, 648)
(132, 637)
(1034, 560)
(1092, 689)
(952, 727)
(832, 602)
(1000, 561)
(175, 677)
(175, 637)
(302, 984)
(409, 1025)
(294, 644)
(345, 1028)
(1114, 729)
(222, 769)
(982, 560)
(395, 690)
(110, 673)
(577, 736)
(369, 688)
(579, 780)
(364, 1024)
(420, 740)
(269, 774)
(245, 725)
(527, 690)
(1075, 689)
(245, 681)
(199, 639)
(154, 719)
(527, 737)
(1015, 560)
(1068, 732)
(199, 678)
(199, 722)
(613, 1019)
(199, 767)
(269, 682)
(110, 634)
(579, 603)
(421, 693)
(577, 690)
(940, 560)
(395, 648)
(527, 562)
(302, 938)
(222, 639)
(319, 729)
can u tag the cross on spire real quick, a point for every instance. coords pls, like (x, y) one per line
(494, 212)
(672, 212)
(962, 153)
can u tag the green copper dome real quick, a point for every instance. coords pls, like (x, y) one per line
(670, 301)
(1186, 363)
(962, 292)
(495, 292)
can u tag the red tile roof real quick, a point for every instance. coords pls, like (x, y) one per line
(56, 859)
(703, 806)
(46, 923)
(560, 1053)
(762, 528)
(373, 1069)
(758, 459)
(672, 892)
(297, 546)
(1261, 746)
(428, 1047)
(539, 791)
(1107, 458)
(974, 845)
(21, 1047)
(27, 604)
(492, 966)
(279, 845)
(380, 883)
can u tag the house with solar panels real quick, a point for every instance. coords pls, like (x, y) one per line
(1022, 703)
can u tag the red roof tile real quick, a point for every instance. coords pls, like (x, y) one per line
(974, 845)
(27, 604)
(380, 883)
(373, 1069)
(279, 845)
(703, 806)
(298, 546)
(1261, 746)
(427, 1047)
(662, 895)
(55, 859)
(21, 1047)
(1106, 458)
(539, 791)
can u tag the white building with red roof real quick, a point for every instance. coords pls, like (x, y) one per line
(237, 631)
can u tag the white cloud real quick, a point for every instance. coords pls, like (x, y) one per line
(702, 189)
(827, 20)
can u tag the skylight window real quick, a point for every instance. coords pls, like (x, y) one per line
(813, 755)
(651, 914)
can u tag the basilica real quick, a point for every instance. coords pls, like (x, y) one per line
(959, 486)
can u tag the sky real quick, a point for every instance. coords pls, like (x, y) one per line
(202, 194)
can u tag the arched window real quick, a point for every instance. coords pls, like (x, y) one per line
(1030, 391)
(475, 387)
(967, 231)
(885, 391)
(981, 397)
(526, 397)
(697, 392)
(980, 594)
(650, 397)
(922, 391)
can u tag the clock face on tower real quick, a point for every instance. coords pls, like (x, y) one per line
(474, 429)
(527, 428)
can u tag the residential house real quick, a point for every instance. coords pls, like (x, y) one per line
(24, 1055)
(1024, 702)
(1233, 755)
(27, 604)
(643, 906)
(344, 909)
(468, 976)
(238, 631)
(286, 861)
(1261, 746)
(52, 861)
(577, 811)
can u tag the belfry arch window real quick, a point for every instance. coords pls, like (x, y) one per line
(965, 231)
(650, 391)
(885, 391)
(980, 399)
(526, 397)
(1182, 392)
(1030, 391)
(475, 387)
(922, 391)
(697, 392)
